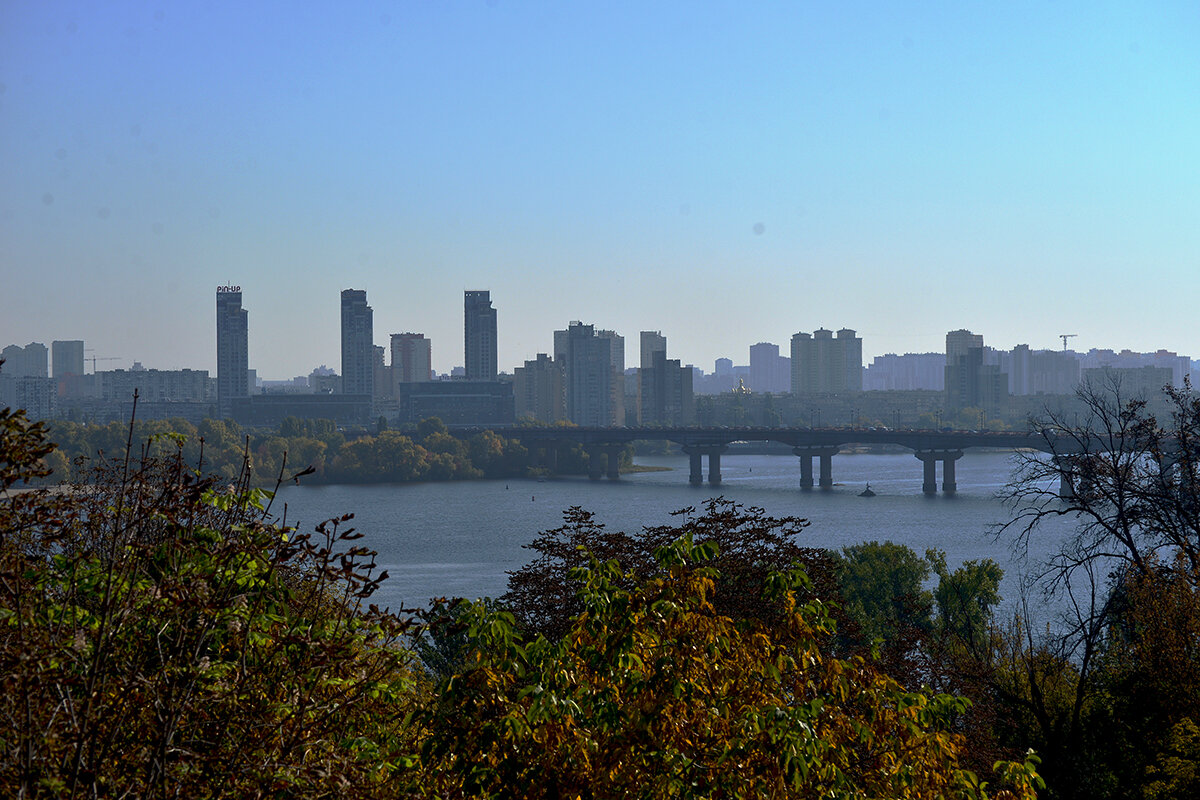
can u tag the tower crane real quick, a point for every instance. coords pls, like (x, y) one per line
(94, 359)
(1064, 337)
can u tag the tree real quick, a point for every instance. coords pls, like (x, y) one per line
(1128, 576)
(1129, 482)
(750, 545)
(882, 590)
(160, 636)
(650, 692)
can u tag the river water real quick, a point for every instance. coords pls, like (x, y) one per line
(462, 538)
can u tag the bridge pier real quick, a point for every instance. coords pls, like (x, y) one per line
(825, 456)
(695, 453)
(548, 458)
(614, 461)
(595, 469)
(604, 459)
(696, 476)
(1066, 482)
(929, 459)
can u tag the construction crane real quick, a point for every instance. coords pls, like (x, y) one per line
(94, 359)
(1064, 337)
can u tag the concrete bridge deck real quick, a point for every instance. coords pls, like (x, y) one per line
(929, 446)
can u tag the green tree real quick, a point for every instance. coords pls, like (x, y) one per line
(882, 587)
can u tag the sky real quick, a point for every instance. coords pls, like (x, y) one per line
(725, 173)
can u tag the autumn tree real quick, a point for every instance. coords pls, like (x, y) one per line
(750, 545)
(651, 692)
(162, 636)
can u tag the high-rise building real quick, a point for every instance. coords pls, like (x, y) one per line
(29, 361)
(66, 358)
(652, 342)
(589, 375)
(911, 371)
(233, 375)
(538, 389)
(664, 393)
(412, 357)
(971, 382)
(381, 374)
(769, 371)
(1040, 371)
(479, 336)
(824, 364)
(617, 358)
(358, 353)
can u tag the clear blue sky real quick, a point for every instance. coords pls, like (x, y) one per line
(726, 173)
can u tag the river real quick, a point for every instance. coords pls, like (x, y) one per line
(462, 538)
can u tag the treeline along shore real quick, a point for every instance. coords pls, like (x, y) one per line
(427, 451)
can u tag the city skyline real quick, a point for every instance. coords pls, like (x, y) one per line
(354, 305)
(723, 174)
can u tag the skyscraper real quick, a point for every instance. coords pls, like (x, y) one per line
(589, 374)
(66, 358)
(616, 343)
(479, 336)
(232, 349)
(358, 354)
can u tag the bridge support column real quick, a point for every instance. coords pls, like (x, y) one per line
(614, 461)
(696, 472)
(949, 485)
(806, 478)
(929, 483)
(929, 459)
(548, 457)
(714, 464)
(825, 460)
(1066, 476)
(595, 468)
(826, 479)
(696, 466)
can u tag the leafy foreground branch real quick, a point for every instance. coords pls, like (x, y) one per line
(162, 636)
(159, 637)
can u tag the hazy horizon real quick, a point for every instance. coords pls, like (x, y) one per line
(725, 174)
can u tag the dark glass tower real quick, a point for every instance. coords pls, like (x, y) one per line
(233, 368)
(358, 354)
(479, 336)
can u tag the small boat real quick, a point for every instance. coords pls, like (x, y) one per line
(866, 492)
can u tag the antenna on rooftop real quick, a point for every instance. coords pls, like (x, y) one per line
(1064, 337)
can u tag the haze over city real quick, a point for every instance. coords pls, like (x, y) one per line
(722, 173)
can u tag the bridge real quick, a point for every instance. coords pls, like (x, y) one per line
(604, 445)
